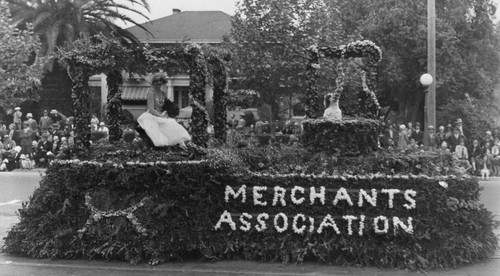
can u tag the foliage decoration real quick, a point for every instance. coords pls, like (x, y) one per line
(20, 66)
(365, 49)
(217, 61)
(198, 72)
(81, 105)
(88, 57)
(62, 22)
(471, 39)
(268, 41)
(114, 104)
(182, 219)
(341, 138)
(312, 93)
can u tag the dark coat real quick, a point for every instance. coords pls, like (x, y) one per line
(13, 161)
(419, 137)
(453, 141)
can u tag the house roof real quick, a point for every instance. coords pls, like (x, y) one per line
(194, 26)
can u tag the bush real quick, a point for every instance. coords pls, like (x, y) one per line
(169, 212)
(280, 158)
(341, 138)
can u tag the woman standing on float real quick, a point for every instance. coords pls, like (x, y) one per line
(162, 130)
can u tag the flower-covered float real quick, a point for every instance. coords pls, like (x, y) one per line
(349, 206)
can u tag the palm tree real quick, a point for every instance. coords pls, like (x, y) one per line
(60, 22)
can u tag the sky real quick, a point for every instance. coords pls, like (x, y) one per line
(161, 8)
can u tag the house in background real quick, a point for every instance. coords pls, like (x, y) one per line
(203, 27)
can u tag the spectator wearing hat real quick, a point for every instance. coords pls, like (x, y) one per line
(26, 139)
(58, 118)
(487, 153)
(488, 138)
(45, 122)
(11, 161)
(403, 138)
(44, 146)
(444, 147)
(441, 134)
(448, 132)
(462, 154)
(12, 131)
(33, 125)
(3, 127)
(55, 146)
(454, 140)
(418, 134)
(410, 130)
(54, 130)
(7, 145)
(431, 139)
(476, 155)
(390, 134)
(495, 157)
(17, 116)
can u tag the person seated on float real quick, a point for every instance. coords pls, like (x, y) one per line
(333, 112)
(162, 129)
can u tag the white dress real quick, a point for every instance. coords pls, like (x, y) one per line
(333, 113)
(163, 131)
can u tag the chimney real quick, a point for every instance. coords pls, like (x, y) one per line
(175, 11)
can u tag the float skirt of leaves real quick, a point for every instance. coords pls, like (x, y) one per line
(157, 212)
(342, 138)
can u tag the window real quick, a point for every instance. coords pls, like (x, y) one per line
(181, 96)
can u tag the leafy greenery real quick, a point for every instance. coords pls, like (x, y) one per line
(450, 227)
(348, 137)
(61, 22)
(20, 69)
(270, 38)
(468, 59)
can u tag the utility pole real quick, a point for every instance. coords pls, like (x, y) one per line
(430, 97)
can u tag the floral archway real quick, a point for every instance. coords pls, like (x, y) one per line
(111, 57)
(371, 55)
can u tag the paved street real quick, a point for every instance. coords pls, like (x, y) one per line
(17, 186)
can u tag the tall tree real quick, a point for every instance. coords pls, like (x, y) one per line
(20, 71)
(270, 38)
(467, 49)
(60, 22)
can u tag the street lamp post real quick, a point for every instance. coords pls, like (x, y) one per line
(427, 80)
(430, 96)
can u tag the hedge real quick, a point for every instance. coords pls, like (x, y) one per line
(170, 210)
(348, 137)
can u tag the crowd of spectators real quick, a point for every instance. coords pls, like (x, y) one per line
(472, 153)
(30, 143)
(248, 125)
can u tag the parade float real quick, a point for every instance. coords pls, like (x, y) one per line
(336, 199)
